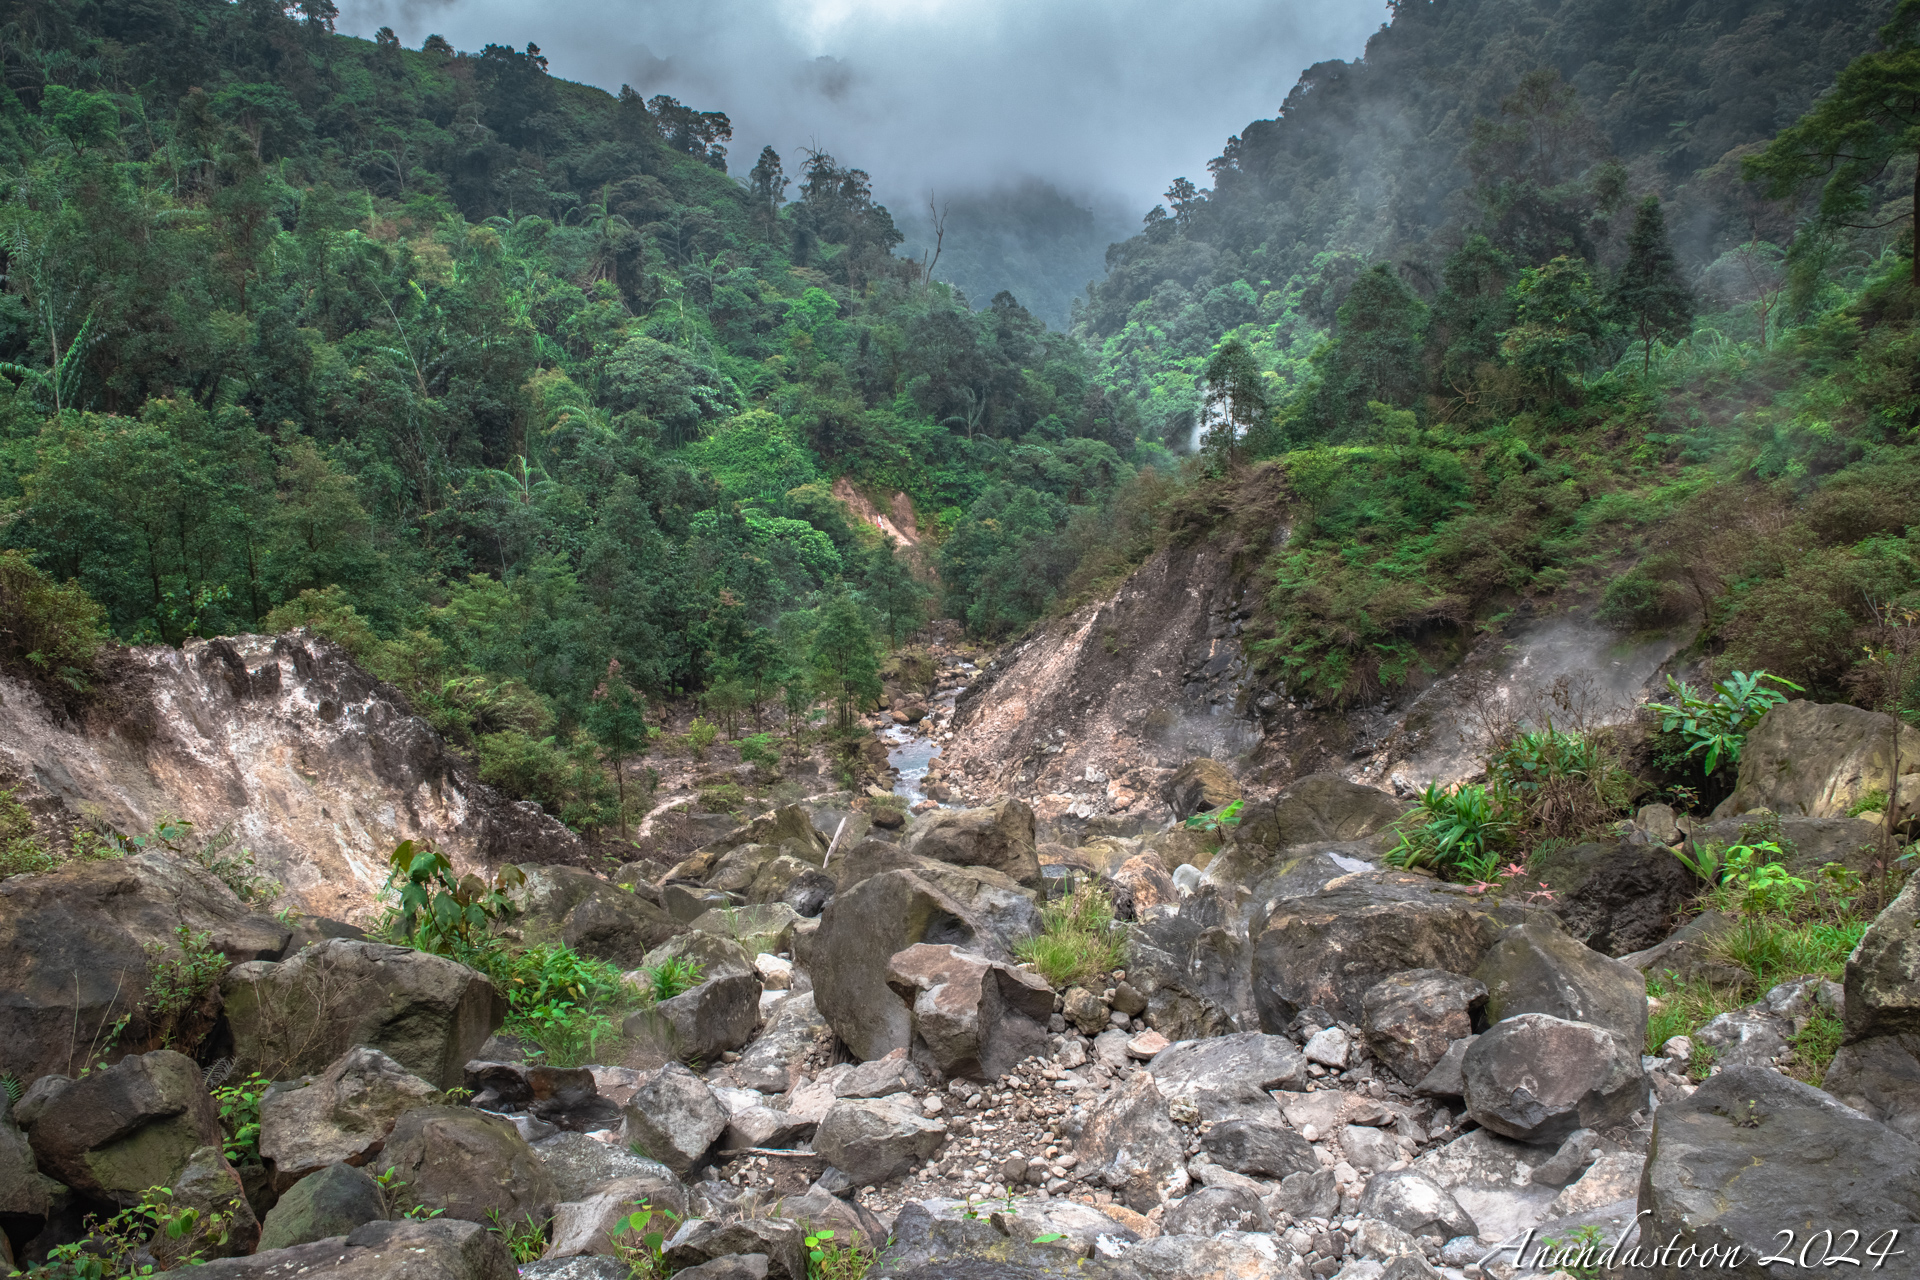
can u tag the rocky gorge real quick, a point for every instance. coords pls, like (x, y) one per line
(1300, 1062)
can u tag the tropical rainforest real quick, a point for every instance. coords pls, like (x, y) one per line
(548, 407)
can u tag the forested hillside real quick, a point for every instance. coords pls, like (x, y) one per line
(501, 377)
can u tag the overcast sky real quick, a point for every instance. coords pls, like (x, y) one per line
(1108, 99)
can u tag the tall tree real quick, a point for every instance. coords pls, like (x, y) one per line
(843, 658)
(1236, 400)
(1650, 291)
(1854, 134)
(617, 718)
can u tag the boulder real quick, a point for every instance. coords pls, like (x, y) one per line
(1818, 760)
(673, 1118)
(1007, 913)
(1327, 949)
(115, 1132)
(704, 1241)
(1212, 1210)
(1619, 896)
(331, 1202)
(341, 1116)
(468, 1163)
(771, 1060)
(971, 1016)
(1807, 844)
(998, 836)
(440, 1249)
(1368, 1148)
(424, 1011)
(1416, 1204)
(1192, 965)
(1752, 1153)
(587, 1226)
(1329, 1047)
(24, 1191)
(1448, 1077)
(1883, 973)
(567, 1097)
(872, 1139)
(1229, 1077)
(579, 1165)
(766, 927)
(716, 955)
(1411, 1018)
(211, 1187)
(73, 948)
(1687, 954)
(1535, 967)
(1490, 1178)
(1199, 786)
(1258, 1149)
(1537, 1078)
(881, 1078)
(1880, 1076)
(1313, 1194)
(1131, 1147)
(732, 1266)
(861, 930)
(712, 1018)
(1147, 884)
(1610, 1179)
(1321, 808)
(617, 925)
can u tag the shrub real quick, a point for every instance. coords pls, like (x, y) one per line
(180, 1004)
(520, 764)
(1566, 783)
(21, 849)
(1078, 940)
(1717, 721)
(437, 913)
(47, 631)
(1457, 832)
(700, 736)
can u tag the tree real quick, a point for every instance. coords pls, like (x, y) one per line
(1236, 399)
(1650, 290)
(617, 718)
(767, 187)
(1855, 133)
(844, 662)
(895, 591)
(1560, 323)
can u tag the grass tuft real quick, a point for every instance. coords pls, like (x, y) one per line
(1078, 941)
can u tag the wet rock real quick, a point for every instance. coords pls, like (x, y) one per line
(1199, 786)
(1537, 1078)
(588, 1225)
(1131, 1147)
(1753, 1150)
(330, 1202)
(440, 1249)
(1883, 973)
(1229, 1077)
(1416, 1204)
(113, 1133)
(872, 1139)
(73, 947)
(1327, 949)
(769, 1062)
(342, 1115)
(468, 1163)
(1257, 1149)
(1818, 760)
(1211, 1210)
(1535, 967)
(426, 1012)
(1411, 1019)
(971, 1016)
(998, 836)
(673, 1118)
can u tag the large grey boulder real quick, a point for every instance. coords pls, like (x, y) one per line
(113, 1133)
(674, 1118)
(1230, 1077)
(709, 1019)
(1131, 1146)
(211, 1188)
(1212, 1210)
(1259, 1149)
(424, 1011)
(998, 836)
(1880, 1076)
(1619, 896)
(972, 1016)
(73, 947)
(1322, 808)
(342, 1115)
(1883, 973)
(1411, 1018)
(1537, 1078)
(769, 1063)
(1753, 1153)
(440, 1249)
(761, 927)
(331, 1202)
(1416, 1204)
(24, 1191)
(579, 1164)
(589, 1225)
(1193, 965)
(872, 1139)
(1536, 967)
(704, 1241)
(617, 925)
(1327, 949)
(1820, 760)
(469, 1164)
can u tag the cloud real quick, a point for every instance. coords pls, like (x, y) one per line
(1106, 99)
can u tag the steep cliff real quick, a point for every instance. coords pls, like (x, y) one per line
(284, 741)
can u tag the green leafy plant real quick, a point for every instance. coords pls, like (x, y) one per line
(1563, 783)
(239, 1106)
(179, 1006)
(526, 1240)
(700, 736)
(439, 913)
(1077, 941)
(1874, 801)
(641, 1244)
(832, 1259)
(1717, 722)
(1226, 816)
(1577, 1254)
(669, 978)
(11, 1085)
(173, 1236)
(399, 1204)
(759, 750)
(1457, 832)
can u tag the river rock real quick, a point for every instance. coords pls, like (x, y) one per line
(467, 1163)
(73, 946)
(712, 1018)
(617, 925)
(699, 1241)
(440, 1249)
(330, 1202)
(872, 1139)
(578, 1164)
(1230, 1077)
(1818, 760)
(424, 1011)
(587, 1226)
(1753, 1152)
(342, 1115)
(1537, 1078)
(673, 1118)
(1883, 973)
(1411, 1018)
(971, 1016)
(1131, 1147)
(998, 836)
(1258, 1149)
(769, 1062)
(1536, 967)
(1416, 1204)
(115, 1132)
(1192, 965)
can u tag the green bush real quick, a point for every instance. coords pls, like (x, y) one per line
(1078, 942)
(47, 631)
(1717, 722)
(1457, 832)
